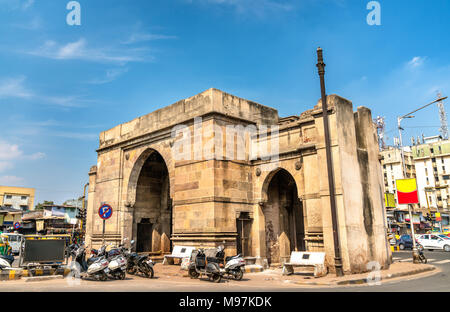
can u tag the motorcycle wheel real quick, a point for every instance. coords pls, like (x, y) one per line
(216, 278)
(103, 277)
(148, 271)
(238, 275)
(122, 275)
(422, 259)
(193, 273)
(131, 270)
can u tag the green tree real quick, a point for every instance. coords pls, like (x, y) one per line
(40, 206)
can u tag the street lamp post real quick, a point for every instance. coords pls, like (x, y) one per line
(399, 120)
(337, 249)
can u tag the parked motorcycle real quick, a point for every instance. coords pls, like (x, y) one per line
(422, 257)
(233, 266)
(138, 264)
(203, 265)
(117, 263)
(6, 262)
(98, 268)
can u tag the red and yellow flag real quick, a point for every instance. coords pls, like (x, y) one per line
(407, 191)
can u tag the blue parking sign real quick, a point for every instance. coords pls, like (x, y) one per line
(105, 212)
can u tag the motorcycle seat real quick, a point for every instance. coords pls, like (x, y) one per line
(214, 259)
(232, 257)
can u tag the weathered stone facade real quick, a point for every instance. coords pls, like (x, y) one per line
(264, 207)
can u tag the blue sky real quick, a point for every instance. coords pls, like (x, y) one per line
(61, 85)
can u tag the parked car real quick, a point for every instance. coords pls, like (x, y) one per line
(404, 242)
(433, 241)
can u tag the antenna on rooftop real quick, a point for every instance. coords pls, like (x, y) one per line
(379, 122)
(443, 118)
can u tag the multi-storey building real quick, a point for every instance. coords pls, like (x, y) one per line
(392, 164)
(18, 198)
(432, 162)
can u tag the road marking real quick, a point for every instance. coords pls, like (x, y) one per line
(443, 261)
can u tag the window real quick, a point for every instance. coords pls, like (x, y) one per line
(431, 150)
(439, 198)
(440, 149)
(433, 160)
(8, 196)
(446, 177)
(23, 197)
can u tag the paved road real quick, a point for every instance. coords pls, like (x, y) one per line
(436, 282)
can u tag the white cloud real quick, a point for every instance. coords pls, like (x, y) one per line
(16, 4)
(10, 153)
(416, 61)
(11, 180)
(111, 75)
(141, 37)
(14, 87)
(79, 50)
(37, 156)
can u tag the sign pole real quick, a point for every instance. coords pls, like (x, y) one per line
(103, 235)
(105, 212)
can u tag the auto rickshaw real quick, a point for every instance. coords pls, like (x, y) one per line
(5, 248)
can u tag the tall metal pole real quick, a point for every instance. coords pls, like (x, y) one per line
(83, 207)
(411, 223)
(337, 249)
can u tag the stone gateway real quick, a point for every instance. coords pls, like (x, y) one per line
(216, 169)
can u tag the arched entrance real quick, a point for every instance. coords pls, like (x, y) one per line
(152, 216)
(283, 215)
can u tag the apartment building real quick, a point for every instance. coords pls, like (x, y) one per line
(392, 164)
(432, 163)
(18, 198)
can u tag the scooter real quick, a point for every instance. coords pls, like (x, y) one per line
(98, 269)
(138, 264)
(234, 265)
(117, 263)
(202, 265)
(6, 262)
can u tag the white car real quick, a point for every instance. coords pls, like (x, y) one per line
(432, 241)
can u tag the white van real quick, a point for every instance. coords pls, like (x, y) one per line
(15, 241)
